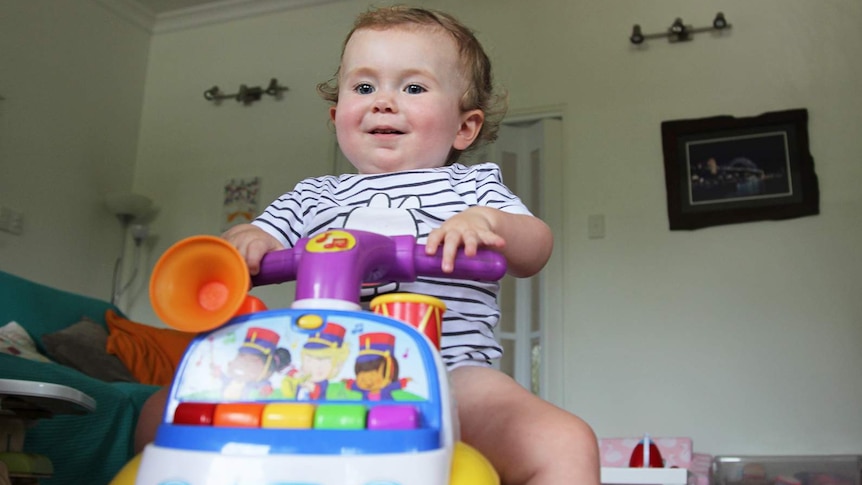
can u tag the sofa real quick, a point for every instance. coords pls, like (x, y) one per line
(92, 447)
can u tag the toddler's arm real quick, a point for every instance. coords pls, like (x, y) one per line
(252, 243)
(526, 241)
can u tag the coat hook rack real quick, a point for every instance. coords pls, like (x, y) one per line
(678, 30)
(246, 95)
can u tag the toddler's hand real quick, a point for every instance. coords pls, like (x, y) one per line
(470, 229)
(252, 243)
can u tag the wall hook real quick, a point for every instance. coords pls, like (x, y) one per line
(245, 94)
(678, 31)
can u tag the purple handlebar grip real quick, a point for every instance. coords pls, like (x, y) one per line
(278, 267)
(486, 265)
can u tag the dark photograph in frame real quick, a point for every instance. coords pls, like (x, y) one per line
(727, 170)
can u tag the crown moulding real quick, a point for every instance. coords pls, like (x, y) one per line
(214, 12)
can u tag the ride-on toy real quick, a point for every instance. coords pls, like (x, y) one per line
(323, 393)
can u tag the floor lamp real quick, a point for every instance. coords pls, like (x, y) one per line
(129, 208)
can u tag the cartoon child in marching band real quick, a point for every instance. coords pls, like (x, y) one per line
(248, 373)
(321, 359)
(376, 368)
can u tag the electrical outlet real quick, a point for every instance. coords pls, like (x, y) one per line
(11, 220)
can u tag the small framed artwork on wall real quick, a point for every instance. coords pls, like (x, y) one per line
(727, 170)
(240, 201)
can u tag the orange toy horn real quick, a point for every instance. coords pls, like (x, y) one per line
(199, 283)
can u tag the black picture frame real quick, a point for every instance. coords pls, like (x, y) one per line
(727, 170)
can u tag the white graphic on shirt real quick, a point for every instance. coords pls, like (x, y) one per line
(381, 218)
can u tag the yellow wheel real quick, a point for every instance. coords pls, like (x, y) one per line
(129, 473)
(469, 467)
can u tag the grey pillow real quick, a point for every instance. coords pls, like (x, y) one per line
(81, 346)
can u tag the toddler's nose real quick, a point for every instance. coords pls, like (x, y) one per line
(384, 103)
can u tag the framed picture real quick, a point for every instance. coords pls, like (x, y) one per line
(726, 170)
(240, 202)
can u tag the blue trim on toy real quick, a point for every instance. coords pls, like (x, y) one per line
(299, 442)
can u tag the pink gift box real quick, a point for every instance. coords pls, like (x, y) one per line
(676, 452)
(616, 452)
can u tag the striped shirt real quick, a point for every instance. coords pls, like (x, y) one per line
(412, 202)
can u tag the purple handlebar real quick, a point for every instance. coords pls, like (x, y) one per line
(335, 264)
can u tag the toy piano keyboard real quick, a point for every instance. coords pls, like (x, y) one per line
(323, 393)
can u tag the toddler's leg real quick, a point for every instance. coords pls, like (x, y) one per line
(528, 440)
(149, 419)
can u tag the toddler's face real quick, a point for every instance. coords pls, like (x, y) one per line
(398, 100)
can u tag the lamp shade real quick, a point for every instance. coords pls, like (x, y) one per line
(128, 204)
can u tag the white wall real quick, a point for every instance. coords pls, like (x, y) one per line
(72, 74)
(744, 337)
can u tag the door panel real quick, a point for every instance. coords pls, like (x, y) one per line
(529, 155)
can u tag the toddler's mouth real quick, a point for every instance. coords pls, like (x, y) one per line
(386, 131)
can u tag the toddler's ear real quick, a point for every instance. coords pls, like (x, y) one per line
(471, 124)
(332, 113)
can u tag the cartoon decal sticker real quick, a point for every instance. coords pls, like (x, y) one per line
(331, 242)
(248, 374)
(321, 359)
(269, 359)
(376, 368)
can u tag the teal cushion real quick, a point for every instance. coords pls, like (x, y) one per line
(42, 309)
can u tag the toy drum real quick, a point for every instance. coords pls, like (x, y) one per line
(422, 311)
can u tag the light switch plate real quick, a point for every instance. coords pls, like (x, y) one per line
(596, 226)
(11, 220)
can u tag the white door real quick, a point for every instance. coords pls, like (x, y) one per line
(530, 155)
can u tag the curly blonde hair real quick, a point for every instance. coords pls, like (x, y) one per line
(480, 93)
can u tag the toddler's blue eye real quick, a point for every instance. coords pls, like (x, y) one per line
(364, 88)
(414, 89)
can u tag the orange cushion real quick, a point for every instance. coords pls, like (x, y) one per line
(151, 354)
